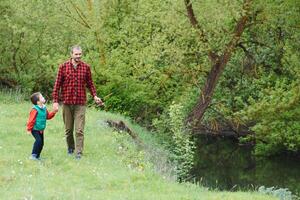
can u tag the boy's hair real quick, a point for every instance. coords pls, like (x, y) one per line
(35, 97)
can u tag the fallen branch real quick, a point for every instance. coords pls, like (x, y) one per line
(121, 126)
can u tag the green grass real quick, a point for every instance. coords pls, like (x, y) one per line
(111, 167)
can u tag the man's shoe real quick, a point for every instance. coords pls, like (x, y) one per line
(78, 156)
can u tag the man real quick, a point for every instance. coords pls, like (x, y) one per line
(73, 77)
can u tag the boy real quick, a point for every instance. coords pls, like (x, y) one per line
(37, 123)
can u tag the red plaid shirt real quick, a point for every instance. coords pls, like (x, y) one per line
(71, 82)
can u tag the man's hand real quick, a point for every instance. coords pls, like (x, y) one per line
(98, 101)
(55, 107)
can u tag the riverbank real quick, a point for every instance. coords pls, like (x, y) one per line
(112, 167)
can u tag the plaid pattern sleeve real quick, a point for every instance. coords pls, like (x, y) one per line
(71, 83)
(89, 82)
(58, 84)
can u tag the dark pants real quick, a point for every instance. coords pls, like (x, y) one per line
(38, 144)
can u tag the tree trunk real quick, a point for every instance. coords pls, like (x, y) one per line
(218, 64)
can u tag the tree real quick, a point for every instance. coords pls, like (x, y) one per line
(218, 62)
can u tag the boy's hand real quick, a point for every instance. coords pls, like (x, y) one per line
(55, 107)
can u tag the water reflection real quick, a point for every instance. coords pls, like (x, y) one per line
(221, 163)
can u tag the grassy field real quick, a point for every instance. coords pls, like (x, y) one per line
(111, 167)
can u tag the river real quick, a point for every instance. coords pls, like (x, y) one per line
(223, 164)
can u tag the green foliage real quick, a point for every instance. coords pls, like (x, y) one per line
(31, 49)
(276, 115)
(145, 55)
(281, 193)
(184, 145)
(259, 88)
(150, 62)
(181, 144)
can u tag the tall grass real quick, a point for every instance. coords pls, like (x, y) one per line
(12, 95)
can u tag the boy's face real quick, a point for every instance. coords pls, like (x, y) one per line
(42, 99)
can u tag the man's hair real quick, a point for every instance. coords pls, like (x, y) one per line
(35, 97)
(75, 47)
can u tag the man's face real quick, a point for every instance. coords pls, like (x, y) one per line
(76, 55)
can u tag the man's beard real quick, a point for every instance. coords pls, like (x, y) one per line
(77, 59)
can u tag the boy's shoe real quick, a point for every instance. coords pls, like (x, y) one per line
(70, 151)
(33, 157)
(78, 156)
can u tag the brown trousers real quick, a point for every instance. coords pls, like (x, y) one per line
(74, 115)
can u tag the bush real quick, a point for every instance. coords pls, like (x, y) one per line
(281, 193)
(276, 118)
(181, 142)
